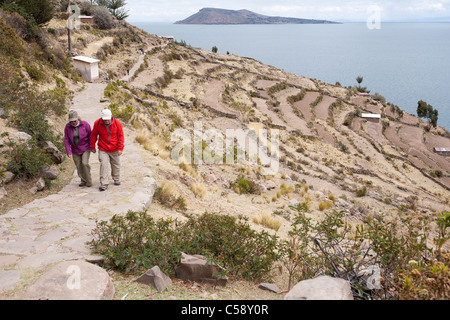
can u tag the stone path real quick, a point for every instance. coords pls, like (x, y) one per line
(55, 229)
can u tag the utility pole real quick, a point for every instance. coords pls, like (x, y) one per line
(69, 28)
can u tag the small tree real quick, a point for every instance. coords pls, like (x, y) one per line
(41, 10)
(424, 110)
(115, 7)
(360, 79)
(214, 49)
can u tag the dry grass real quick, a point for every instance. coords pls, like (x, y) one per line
(267, 220)
(198, 189)
(189, 169)
(324, 205)
(165, 193)
(157, 145)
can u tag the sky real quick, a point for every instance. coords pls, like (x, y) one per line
(345, 10)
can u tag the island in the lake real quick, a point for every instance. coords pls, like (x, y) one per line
(224, 16)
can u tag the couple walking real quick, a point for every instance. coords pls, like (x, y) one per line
(80, 141)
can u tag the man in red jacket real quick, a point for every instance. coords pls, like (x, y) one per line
(109, 133)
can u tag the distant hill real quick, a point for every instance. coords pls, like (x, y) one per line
(223, 16)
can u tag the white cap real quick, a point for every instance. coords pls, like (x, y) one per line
(106, 114)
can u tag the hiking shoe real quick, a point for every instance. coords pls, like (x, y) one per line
(117, 183)
(103, 188)
(83, 184)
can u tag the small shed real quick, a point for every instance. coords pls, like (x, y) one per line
(170, 38)
(87, 66)
(442, 151)
(365, 94)
(87, 19)
(372, 117)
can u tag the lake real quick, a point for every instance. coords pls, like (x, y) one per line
(404, 62)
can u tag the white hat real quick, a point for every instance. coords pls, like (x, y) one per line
(106, 114)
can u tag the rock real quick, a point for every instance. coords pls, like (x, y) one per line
(40, 184)
(2, 112)
(20, 136)
(72, 280)
(3, 192)
(321, 288)
(210, 178)
(196, 268)
(33, 190)
(270, 185)
(48, 172)
(56, 155)
(262, 188)
(97, 259)
(269, 286)
(294, 202)
(156, 278)
(9, 176)
(8, 279)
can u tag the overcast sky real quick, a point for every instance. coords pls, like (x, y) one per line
(390, 10)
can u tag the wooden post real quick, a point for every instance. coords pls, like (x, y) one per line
(69, 27)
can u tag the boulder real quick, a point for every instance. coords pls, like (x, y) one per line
(156, 278)
(20, 136)
(196, 268)
(3, 192)
(321, 288)
(269, 286)
(72, 280)
(270, 185)
(56, 155)
(48, 172)
(9, 176)
(40, 184)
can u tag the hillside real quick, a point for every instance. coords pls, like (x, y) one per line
(330, 158)
(223, 16)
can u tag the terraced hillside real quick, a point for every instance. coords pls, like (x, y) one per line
(326, 147)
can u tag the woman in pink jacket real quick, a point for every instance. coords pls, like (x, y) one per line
(77, 138)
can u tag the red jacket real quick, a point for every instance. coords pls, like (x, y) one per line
(110, 138)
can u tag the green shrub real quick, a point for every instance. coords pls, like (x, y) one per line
(34, 72)
(136, 242)
(244, 186)
(396, 246)
(26, 159)
(361, 192)
(125, 113)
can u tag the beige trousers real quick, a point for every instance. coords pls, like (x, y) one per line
(83, 168)
(109, 161)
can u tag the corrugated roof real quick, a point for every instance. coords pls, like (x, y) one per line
(86, 59)
(442, 149)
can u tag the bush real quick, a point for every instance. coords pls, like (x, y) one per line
(27, 159)
(167, 197)
(41, 10)
(361, 192)
(244, 186)
(136, 242)
(396, 246)
(103, 18)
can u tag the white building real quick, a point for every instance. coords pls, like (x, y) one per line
(88, 67)
(372, 117)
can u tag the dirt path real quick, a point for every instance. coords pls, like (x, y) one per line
(55, 229)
